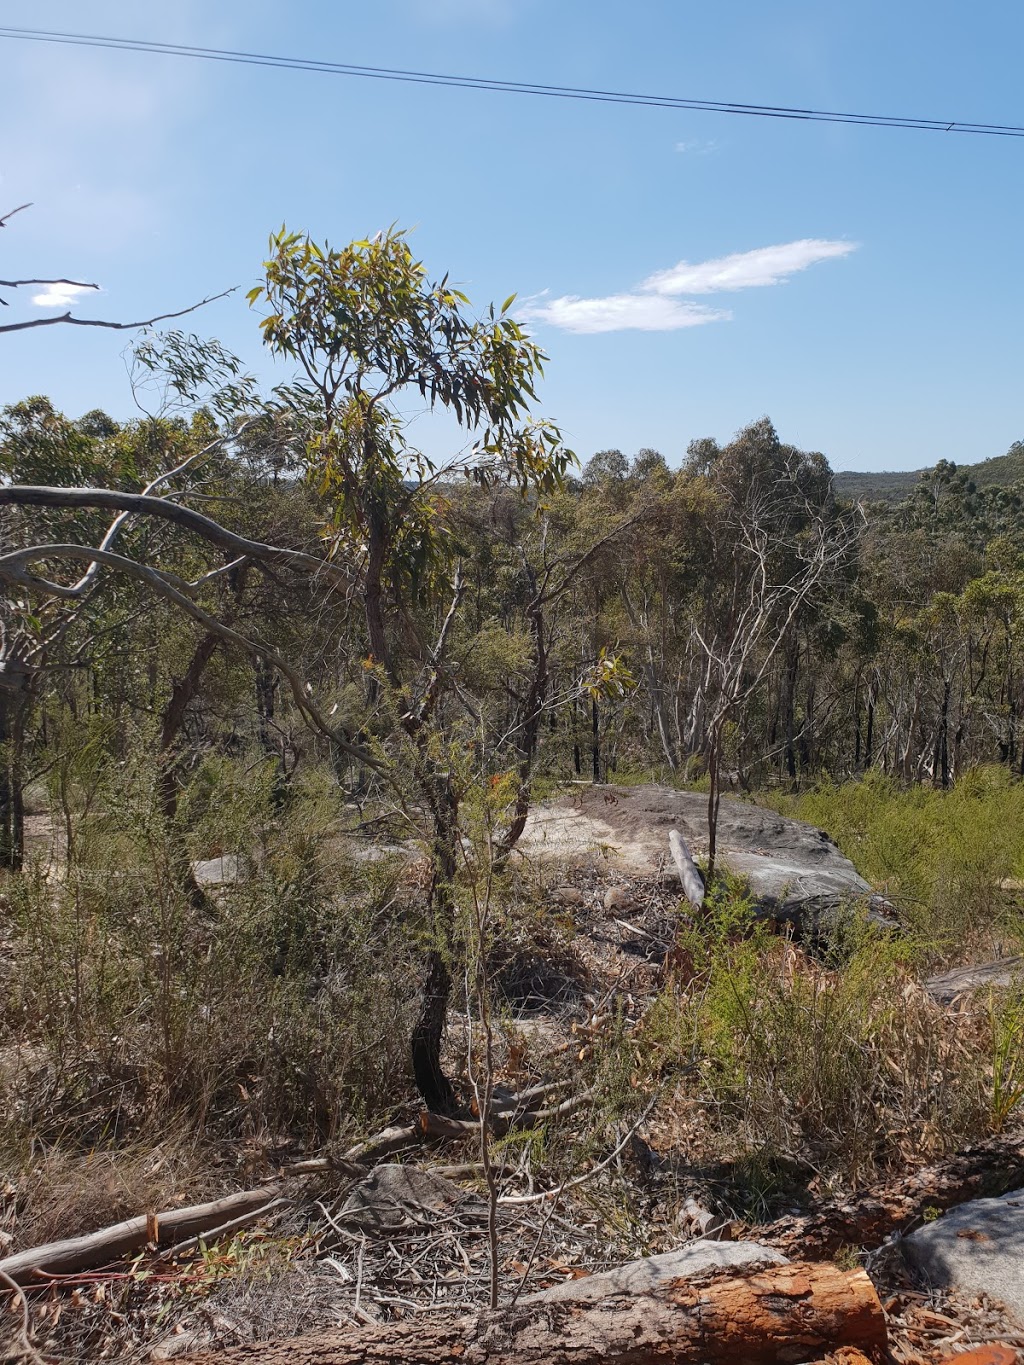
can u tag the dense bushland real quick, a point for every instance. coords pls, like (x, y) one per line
(276, 1008)
(271, 629)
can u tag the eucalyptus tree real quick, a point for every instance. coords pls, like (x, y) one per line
(778, 538)
(370, 334)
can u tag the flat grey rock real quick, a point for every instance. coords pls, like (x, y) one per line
(1000, 974)
(795, 871)
(644, 1277)
(223, 871)
(977, 1248)
(392, 1195)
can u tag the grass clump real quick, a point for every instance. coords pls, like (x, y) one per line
(273, 1009)
(845, 1073)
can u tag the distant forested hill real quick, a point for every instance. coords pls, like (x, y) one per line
(1001, 470)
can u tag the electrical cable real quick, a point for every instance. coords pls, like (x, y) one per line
(382, 73)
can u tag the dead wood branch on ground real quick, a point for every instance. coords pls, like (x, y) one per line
(866, 1220)
(97, 1248)
(180, 1229)
(792, 1312)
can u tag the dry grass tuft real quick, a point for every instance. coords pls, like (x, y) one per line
(62, 1193)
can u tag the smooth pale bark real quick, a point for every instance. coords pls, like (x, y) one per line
(689, 877)
(791, 1313)
(73, 1254)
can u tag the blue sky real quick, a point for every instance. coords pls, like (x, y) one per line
(686, 272)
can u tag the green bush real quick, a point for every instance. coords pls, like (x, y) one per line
(278, 1006)
(845, 1072)
(943, 858)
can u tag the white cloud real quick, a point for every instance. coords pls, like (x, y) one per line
(60, 295)
(696, 147)
(745, 269)
(654, 306)
(621, 312)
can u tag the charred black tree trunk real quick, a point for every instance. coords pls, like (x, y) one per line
(940, 762)
(14, 708)
(792, 668)
(428, 1034)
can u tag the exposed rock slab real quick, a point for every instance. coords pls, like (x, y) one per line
(977, 1248)
(226, 870)
(1000, 974)
(794, 870)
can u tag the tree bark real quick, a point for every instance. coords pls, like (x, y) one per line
(595, 741)
(867, 1219)
(428, 1034)
(788, 1313)
(14, 708)
(530, 722)
(183, 693)
(714, 791)
(689, 877)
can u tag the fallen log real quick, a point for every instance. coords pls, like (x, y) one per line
(180, 1228)
(867, 1219)
(73, 1254)
(689, 876)
(790, 1313)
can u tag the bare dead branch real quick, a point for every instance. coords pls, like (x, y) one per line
(13, 568)
(115, 326)
(107, 543)
(25, 495)
(10, 214)
(17, 284)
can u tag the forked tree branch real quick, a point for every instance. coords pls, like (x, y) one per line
(30, 495)
(14, 569)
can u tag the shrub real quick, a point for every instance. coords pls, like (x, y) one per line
(846, 1072)
(278, 1008)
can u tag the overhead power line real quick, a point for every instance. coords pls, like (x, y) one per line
(565, 92)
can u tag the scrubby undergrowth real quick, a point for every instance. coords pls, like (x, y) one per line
(952, 861)
(156, 1049)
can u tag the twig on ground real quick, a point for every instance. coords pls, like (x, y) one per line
(515, 1199)
(233, 1225)
(18, 1296)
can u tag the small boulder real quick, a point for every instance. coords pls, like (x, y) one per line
(950, 986)
(977, 1248)
(618, 898)
(227, 870)
(568, 896)
(392, 1195)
